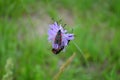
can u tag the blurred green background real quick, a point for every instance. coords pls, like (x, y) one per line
(23, 38)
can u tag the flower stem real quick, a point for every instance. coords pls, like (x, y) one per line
(86, 62)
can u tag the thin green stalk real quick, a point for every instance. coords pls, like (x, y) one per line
(86, 62)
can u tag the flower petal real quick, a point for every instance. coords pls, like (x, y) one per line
(55, 46)
(69, 36)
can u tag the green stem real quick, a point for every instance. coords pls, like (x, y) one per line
(86, 62)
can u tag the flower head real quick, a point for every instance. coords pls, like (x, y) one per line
(59, 37)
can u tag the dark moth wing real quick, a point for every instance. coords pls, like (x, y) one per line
(58, 38)
(57, 51)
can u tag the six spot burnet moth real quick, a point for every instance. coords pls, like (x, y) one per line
(58, 39)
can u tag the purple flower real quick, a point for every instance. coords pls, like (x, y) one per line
(58, 36)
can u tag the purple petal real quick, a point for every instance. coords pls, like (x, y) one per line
(50, 32)
(55, 46)
(56, 26)
(51, 38)
(55, 23)
(69, 36)
(53, 28)
(65, 41)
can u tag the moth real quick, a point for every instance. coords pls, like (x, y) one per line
(58, 41)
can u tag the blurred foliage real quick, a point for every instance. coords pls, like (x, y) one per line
(97, 34)
(14, 8)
